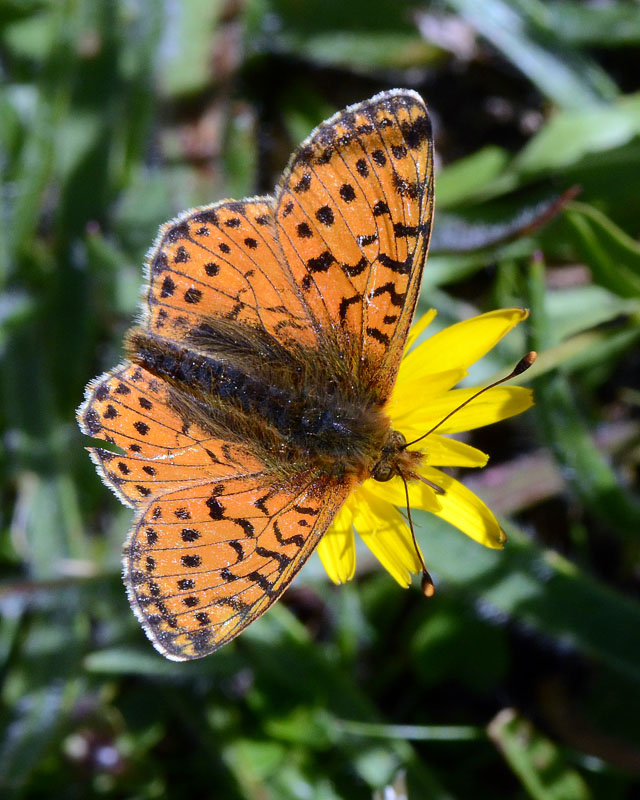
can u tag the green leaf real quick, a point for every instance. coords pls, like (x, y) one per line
(412, 733)
(335, 16)
(240, 154)
(185, 67)
(467, 178)
(571, 135)
(612, 255)
(363, 51)
(31, 37)
(535, 759)
(38, 719)
(586, 350)
(490, 224)
(579, 308)
(447, 268)
(539, 588)
(588, 472)
(522, 35)
(611, 24)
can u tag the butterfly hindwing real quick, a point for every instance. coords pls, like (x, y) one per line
(203, 562)
(218, 537)
(131, 409)
(354, 212)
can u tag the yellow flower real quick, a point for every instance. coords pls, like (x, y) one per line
(422, 397)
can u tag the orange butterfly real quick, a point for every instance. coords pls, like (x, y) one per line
(251, 401)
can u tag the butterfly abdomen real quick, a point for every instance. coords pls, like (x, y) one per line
(301, 414)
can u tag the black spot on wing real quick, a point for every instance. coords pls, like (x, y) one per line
(263, 583)
(345, 303)
(396, 298)
(378, 335)
(92, 422)
(181, 256)
(406, 188)
(325, 215)
(347, 192)
(320, 263)
(362, 168)
(282, 559)
(399, 151)
(400, 267)
(416, 132)
(179, 231)
(351, 270)
(303, 184)
(380, 208)
(168, 287)
(400, 229)
(209, 216)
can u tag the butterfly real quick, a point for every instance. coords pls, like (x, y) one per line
(252, 397)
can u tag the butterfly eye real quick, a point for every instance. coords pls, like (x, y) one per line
(383, 471)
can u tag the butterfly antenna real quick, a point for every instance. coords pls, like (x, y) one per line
(428, 589)
(522, 366)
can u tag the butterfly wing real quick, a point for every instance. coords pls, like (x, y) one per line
(197, 581)
(223, 261)
(354, 212)
(334, 261)
(217, 538)
(130, 408)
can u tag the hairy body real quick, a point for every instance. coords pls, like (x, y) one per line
(302, 412)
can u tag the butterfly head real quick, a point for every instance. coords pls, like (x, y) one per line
(395, 459)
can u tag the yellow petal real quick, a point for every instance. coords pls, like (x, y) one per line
(462, 344)
(411, 394)
(386, 534)
(337, 548)
(393, 492)
(418, 327)
(444, 452)
(462, 508)
(494, 405)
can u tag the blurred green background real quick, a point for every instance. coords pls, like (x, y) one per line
(521, 678)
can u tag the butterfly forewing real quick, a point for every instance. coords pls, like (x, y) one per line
(223, 261)
(354, 216)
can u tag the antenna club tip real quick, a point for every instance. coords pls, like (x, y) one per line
(428, 589)
(525, 362)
